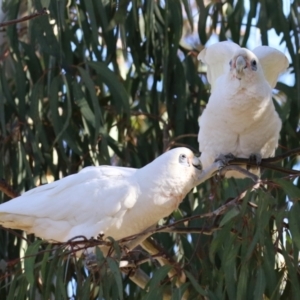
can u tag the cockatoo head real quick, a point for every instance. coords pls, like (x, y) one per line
(244, 63)
(173, 174)
(263, 62)
(187, 158)
(181, 159)
(180, 168)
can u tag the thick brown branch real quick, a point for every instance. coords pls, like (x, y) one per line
(267, 163)
(277, 158)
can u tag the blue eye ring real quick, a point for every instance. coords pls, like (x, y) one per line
(183, 156)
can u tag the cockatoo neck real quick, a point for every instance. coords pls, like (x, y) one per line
(243, 78)
(149, 173)
(168, 182)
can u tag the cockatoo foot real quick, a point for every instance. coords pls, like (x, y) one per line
(90, 260)
(225, 159)
(100, 236)
(255, 157)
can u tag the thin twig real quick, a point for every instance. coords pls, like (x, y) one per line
(280, 169)
(43, 12)
(182, 136)
(7, 189)
(282, 156)
(163, 257)
(15, 233)
(219, 211)
(186, 230)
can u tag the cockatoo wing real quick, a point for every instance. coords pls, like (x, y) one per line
(86, 204)
(273, 63)
(217, 57)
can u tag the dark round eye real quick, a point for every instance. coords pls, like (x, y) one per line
(254, 64)
(182, 156)
(230, 63)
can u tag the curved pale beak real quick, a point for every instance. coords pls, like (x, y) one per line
(240, 64)
(197, 163)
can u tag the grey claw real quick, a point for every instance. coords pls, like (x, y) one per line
(255, 157)
(90, 260)
(225, 159)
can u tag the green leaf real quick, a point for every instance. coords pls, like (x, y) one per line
(177, 293)
(99, 256)
(118, 82)
(45, 262)
(45, 3)
(292, 191)
(195, 284)
(222, 236)
(92, 19)
(51, 273)
(115, 247)
(153, 286)
(242, 282)
(85, 292)
(12, 290)
(294, 224)
(98, 119)
(203, 16)
(230, 215)
(260, 284)
(114, 267)
(118, 92)
(61, 288)
(268, 267)
(230, 268)
(82, 103)
(189, 14)
(29, 261)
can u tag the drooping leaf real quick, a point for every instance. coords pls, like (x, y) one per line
(29, 261)
(292, 191)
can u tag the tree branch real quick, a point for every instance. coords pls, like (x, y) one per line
(160, 254)
(7, 189)
(282, 156)
(240, 170)
(268, 162)
(187, 230)
(26, 18)
(171, 227)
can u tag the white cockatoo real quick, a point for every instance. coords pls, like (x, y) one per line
(107, 200)
(240, 117)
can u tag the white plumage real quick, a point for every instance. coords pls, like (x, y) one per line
(113, 201)
(240, 117)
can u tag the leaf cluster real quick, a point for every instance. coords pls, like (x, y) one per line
(118, 82)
